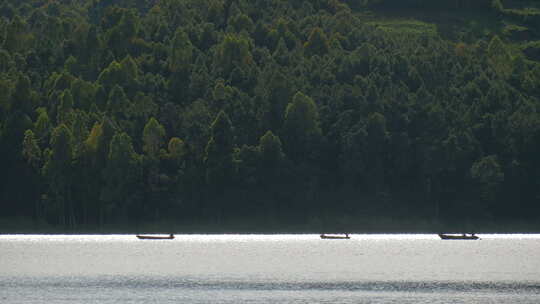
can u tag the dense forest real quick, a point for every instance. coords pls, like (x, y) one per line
(268, 113)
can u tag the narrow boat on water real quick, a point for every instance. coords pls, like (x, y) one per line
(335, 237)
(463, 236)
(155, 237)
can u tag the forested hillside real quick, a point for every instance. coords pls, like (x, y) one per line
(268, 112)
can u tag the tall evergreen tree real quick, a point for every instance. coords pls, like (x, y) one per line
(58, 170)
(301, 128)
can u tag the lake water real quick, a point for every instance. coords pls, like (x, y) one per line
(268, 269)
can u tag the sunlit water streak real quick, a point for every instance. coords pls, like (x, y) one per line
(416, 268)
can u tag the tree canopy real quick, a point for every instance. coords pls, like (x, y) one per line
(282, 112)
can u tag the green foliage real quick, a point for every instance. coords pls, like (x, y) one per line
(219, 153)
(317, 43)
(65, 108)
(117, 103)
(176, 148)
(59, 163)
(301, 128)
(121, 174)
(22, 95)
(84, 93)
(31, 150)
(58, 170)
(153, 137)
(122, 32)
(181, 53)
(232, 52)
(5, 60)
(124, 74)
(242, 22)
(302, 116)
(216, 12)
(98, 141)
(42, 126)
(381, 107)
(18, 36)
(271, 152)
(499, 57)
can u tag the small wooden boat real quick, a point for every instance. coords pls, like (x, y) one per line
(335, 237)
(458, 236)
(155, 237)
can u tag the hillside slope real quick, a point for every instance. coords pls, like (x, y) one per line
(117, 112)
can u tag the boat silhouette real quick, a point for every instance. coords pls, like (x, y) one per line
(335, 237)
(462, 236)
(155, 237)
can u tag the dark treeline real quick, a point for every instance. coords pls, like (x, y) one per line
(426, 4)
(213, 111)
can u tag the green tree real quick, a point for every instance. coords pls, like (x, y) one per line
(153, 137)
(200, 80)
(122, 176)
(79, 128)
(174, 167)
(499, 57)
(84, 93)
(242, 22)
(17, 35)
(92, 162)
(33, 157)
(180, 65)
(42, 127)
(131, 73)
(124, 74)
(317, 43)
(301, 128)
(139, 112)
(195, 124)
(5, 96)
(176, 148)
(31, 151)
(275, 181)
(121, 35)
(219, 154)
(65, 109)
(118, 103)
(58, 172)
(233, 51)
(23, 96)
(271, 152)
(281, 54)
(216, 12)
(278, 91)
(180, 53)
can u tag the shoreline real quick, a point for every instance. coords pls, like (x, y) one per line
(379, 225)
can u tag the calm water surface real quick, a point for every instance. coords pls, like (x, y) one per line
(268, 269)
